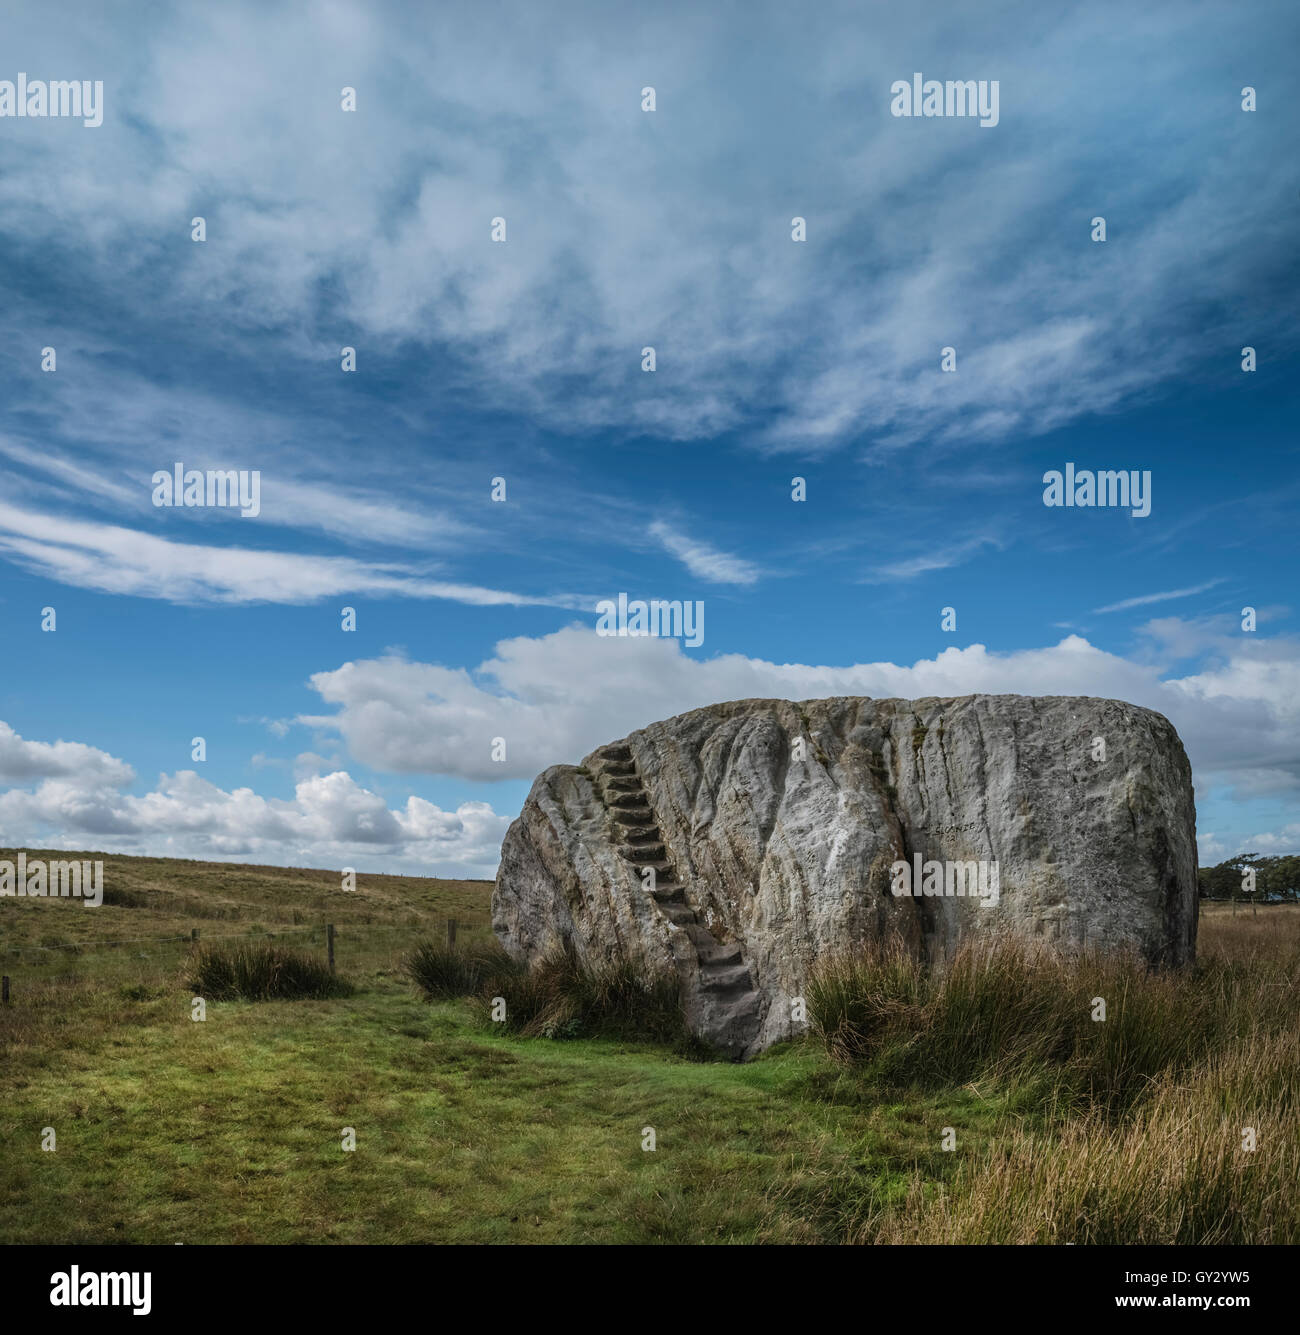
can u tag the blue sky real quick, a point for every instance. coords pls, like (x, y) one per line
(522, 359)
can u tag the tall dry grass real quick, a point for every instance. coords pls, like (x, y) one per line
(1010, 1011)
(1137, 1127)
(1175, 1170)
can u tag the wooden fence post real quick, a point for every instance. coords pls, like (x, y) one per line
(4, 989)
(194, 933)
(451, 933)
(329, 942)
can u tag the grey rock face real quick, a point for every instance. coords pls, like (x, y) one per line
(740, 842)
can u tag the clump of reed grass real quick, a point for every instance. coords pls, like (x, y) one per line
(261, 973)
(558, 996)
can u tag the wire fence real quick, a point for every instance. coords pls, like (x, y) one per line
(133, 940)
(462, 923)
(352, 946)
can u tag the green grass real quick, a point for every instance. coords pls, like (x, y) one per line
(150, 897)
(152, 905)
(230, 1129)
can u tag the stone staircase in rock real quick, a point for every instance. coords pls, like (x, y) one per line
(727, 1006)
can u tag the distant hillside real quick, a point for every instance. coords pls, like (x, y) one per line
(155, 897)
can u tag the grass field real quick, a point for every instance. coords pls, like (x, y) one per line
(230, 1130)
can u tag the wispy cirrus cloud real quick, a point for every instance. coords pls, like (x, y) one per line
(785, 341)
(1145, 599)
(934, 558)
(702, 559)
(114, 559)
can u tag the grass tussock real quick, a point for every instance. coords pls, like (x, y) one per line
(1175, 1120)
(118, 897)
(559, 996)
(442, 972)
(1011, 1012)
(261, 973)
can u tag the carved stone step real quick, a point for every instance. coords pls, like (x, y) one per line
(650, 854)
(731, 1019)
(679, 914)
(726, 978)
(710, 951)
(665, 882)
(663, 868)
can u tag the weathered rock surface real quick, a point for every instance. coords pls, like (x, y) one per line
(772, 828)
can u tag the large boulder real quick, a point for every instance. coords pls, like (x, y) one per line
(739, 842)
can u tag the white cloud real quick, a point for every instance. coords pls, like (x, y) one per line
(702, 560)
(556, 697)
(357, 516)
(120, 560)
(817, 346)
(330, 821)
(1144, 599)
(310, 765)
(22, 761)
(351, 513)
(937, 559)
(1210, 849)
(1285, 840)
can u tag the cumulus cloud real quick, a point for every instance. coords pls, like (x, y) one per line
(23, 761)
(556, 697)
(1285, 840)
(330, 820)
